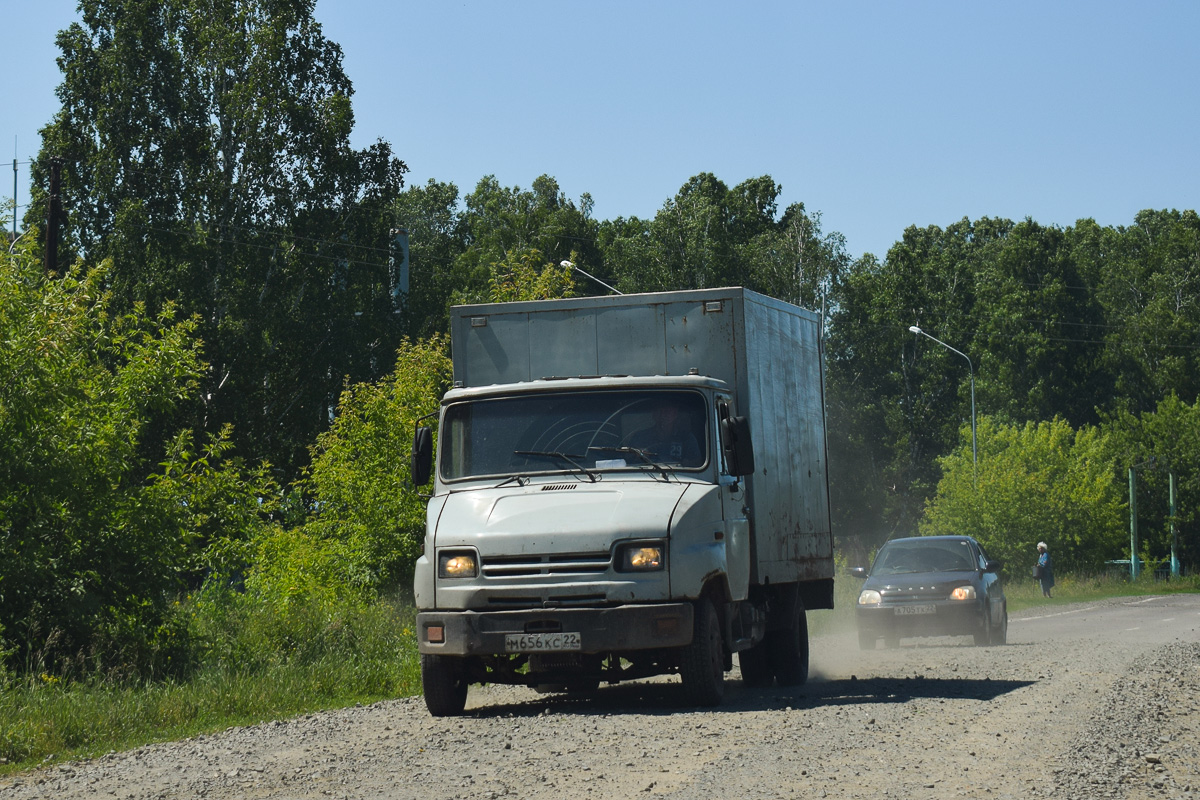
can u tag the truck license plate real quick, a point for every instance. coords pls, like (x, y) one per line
(904, 610)
(541, 642)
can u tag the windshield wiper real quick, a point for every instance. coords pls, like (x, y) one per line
(662, 468)
(592, 476)
(520, 479)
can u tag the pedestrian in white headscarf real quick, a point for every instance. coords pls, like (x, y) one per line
(1043, 570)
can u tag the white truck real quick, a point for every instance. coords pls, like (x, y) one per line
(570, 542)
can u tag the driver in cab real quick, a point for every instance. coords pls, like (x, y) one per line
(670, 439)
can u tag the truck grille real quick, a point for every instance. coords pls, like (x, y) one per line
(558, 564)
(563, 601)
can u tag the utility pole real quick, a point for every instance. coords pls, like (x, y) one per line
(55, 213)
(398, 269)
(1174, 530)
(1133, 531)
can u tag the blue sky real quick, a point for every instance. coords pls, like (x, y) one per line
(877, 115)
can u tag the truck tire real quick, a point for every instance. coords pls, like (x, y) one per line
(788, 649)
(756, 666)
(702, 663)
(444, 685)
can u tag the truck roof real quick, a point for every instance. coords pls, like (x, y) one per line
(705, 331)
(586, 383)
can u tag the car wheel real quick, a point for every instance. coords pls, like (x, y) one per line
(756, 666)
(788, 649)
(866, 641)
(1000, 635)
(702, 665)
(983, 635)
(444, 684)
(891, 640)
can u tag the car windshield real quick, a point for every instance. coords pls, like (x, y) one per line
(578, 432)
(896, 558)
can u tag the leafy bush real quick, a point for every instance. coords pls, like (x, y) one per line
(105, 518)
(367, 525)
(1036, 482)
(90, 553)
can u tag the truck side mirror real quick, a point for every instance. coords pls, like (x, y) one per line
(735, 444)
(422, 455)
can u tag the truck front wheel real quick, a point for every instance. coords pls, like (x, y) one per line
(444, 684)
(702, 664)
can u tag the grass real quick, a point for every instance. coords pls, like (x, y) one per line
(332, 658)
(1027, 593)
(260, 664)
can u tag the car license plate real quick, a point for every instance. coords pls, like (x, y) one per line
(905, 610)
(541, 642)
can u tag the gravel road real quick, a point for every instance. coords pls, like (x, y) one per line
(1087, 701)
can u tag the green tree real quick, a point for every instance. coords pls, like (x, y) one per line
(795, 261)
(368, 524)
(1035, 337)
(437, 240)
(526, 275)
(1040, 481)
(710, 235)
(1163, 441)
(1009, 296)
(93, 541)
(1147, 280)
(206, 152)
(499, 220)
(897, 401)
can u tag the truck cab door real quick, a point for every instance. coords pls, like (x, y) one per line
(735, 510)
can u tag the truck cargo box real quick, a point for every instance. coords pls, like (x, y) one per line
(767, 351)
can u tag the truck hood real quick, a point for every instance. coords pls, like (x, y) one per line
(549, 518)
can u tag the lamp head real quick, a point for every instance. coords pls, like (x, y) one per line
(913, 329)
(566, 264)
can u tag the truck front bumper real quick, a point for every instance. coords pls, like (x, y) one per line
(601, 630)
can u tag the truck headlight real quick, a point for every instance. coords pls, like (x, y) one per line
(869, 597)
(640, 557)
(963, 593)
(457, 564)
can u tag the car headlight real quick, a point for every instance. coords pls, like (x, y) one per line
(869, 597)
(641, 557)
(457, 564)
(963, 593)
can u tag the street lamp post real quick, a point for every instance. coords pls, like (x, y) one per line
(570, 265)
(971, 372)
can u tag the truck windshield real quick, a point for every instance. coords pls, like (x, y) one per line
(574, 431)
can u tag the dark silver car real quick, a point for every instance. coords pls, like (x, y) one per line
(931, 586)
